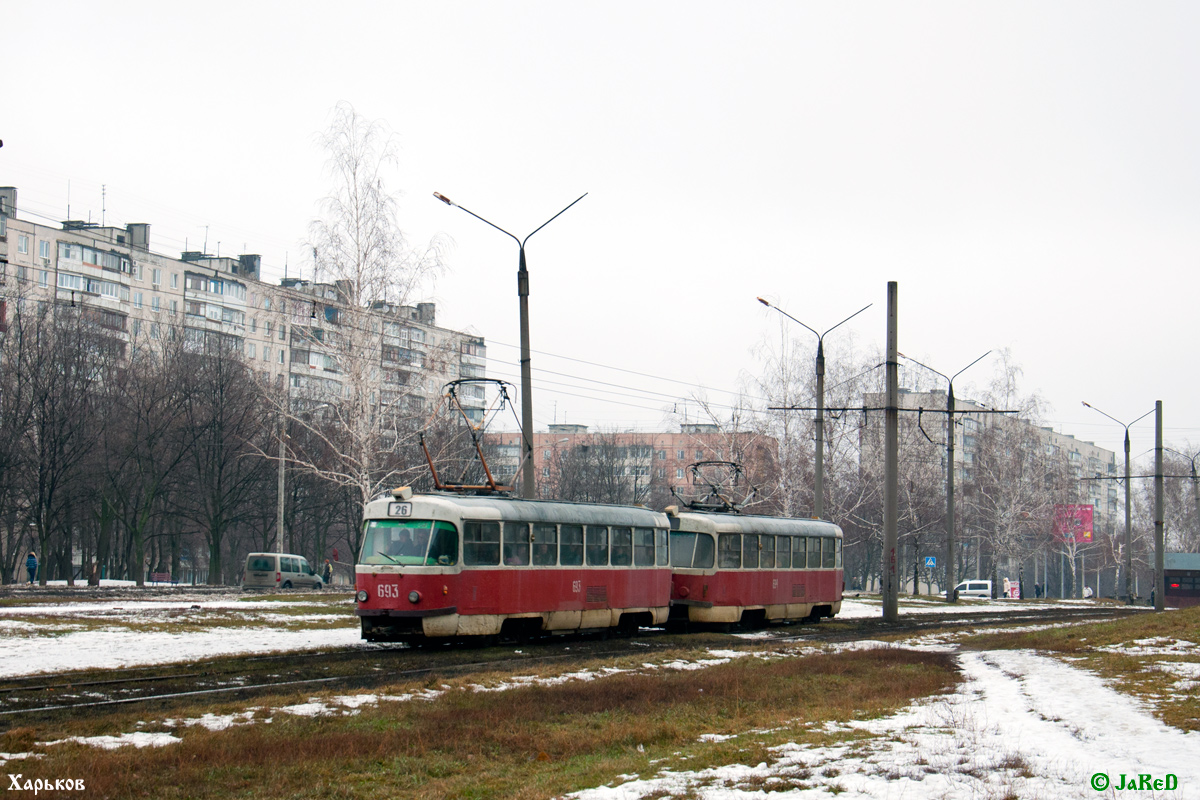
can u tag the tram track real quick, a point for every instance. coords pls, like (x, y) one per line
(163, 688)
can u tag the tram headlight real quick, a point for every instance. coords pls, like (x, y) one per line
(414, 596)
(361, 596)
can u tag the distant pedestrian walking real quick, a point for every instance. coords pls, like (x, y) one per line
(31, 566)
(327, 573)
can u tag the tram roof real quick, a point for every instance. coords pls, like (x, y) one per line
(511, 509)
(753, 523)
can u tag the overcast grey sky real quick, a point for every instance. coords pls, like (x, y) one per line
(1028, 172)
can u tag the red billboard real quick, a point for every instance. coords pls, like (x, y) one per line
(1073, 523)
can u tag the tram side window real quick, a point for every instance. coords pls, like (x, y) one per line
(827, 555)
(798, 552)
(783, 557)
(622, 547)
(767, 556)
(443, 547)
(597, 546)
(516, 544)
(570, 550)
(663, 557)
(838, 558)
(749, 550)
(643, 547)
(481, 543)
(814, 552)
(729, 550)
(545, 545)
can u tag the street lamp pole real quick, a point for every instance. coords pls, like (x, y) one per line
(527, 488)
(1128, 510)
(951, 596)
(819, 463)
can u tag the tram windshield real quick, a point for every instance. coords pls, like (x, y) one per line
(409, 542)
(691, 550)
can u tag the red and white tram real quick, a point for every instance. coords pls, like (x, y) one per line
(729, 568)
(446, 565)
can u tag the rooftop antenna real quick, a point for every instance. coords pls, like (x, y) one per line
(68, 198)
(285, 264)
(205, 250)
(103, 203)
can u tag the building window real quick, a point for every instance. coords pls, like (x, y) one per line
(281, 355)
(699, 455)
(174, 280)
(266, 353)
(662, 455)
(254, 324)
(250, 348)
(137, 299)
(156, 276)
(44, 279)
(679, 473)
(267, 329)
(22, 244)
(44, 249)
(680, 455)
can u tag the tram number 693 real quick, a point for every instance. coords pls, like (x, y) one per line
(576, 586)
(388, 590)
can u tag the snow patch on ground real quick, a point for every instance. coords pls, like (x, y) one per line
(1021, 724)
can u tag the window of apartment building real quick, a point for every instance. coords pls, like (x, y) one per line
(250, 349)
(680, 456)
(154, 304)
(662, 472)
(662, 455)
(282, 331)
(174, 307)
(135, 326)
(44, 249)
(44, 278)
(193, 308)
(267, 329)
(267, 304)
(174, 280)
(195, 282)
(137, 299)
(156, 276)
(68, 281)
(699, 455)
(254, 324)
(282, 353)
(266, 353)
(22, 244)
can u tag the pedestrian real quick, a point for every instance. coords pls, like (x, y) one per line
(31, 566)
(327, 573)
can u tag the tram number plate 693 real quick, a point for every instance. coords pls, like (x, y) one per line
(399, 509)
(388, 590)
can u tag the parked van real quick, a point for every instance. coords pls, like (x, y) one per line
(279, 571)
(974, 589)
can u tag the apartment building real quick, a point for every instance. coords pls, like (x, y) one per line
(1086, 460)
(289, 334)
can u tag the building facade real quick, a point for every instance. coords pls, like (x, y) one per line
(292, 334)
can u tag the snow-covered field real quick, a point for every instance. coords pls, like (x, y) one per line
(1021, 725)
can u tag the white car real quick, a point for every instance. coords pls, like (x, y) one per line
(974, 589)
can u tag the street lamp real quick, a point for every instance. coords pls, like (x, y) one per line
(1128, 540)
(951, 596)
(527, 489)
(819, 476)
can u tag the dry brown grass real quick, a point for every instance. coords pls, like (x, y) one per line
(538, 741)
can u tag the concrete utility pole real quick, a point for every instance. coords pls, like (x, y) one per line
(891, 460)
(819, 461)
(527, 485)
(1159, 558)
